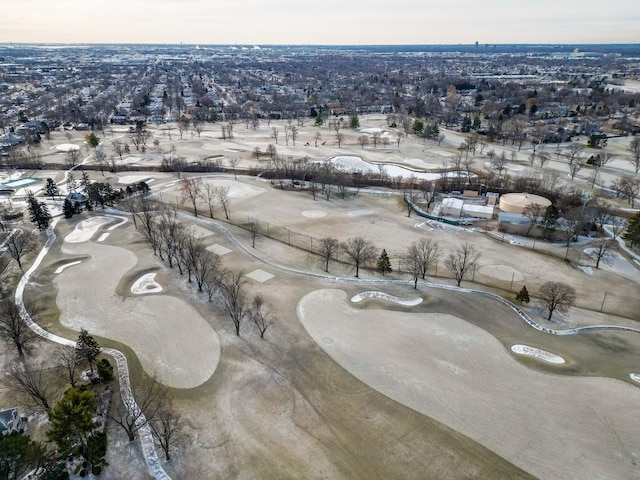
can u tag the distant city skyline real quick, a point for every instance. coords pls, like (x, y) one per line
(356, 22)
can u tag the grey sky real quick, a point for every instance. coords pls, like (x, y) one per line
(321, 22)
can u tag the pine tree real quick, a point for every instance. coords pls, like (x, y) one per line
(68, 209)
(523, 295)
(38, 212)
(632, 234)
(384, 264)
(51, 189)
(354, 122)
(87, 348)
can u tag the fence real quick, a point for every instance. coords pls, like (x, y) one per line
(609, 302)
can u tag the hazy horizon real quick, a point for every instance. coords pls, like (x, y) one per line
(332, 22)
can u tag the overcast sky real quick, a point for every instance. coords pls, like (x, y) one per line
(321, 21)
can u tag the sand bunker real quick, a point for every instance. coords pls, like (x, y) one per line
(146, 284)
(86, 229)
(635, 377)
(460, 375)
(537, 353)
(314, 213)
(65, 266)
(410, 302)
(501, 272)
(103, 237)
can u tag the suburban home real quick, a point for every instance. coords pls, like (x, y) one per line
(78, 200)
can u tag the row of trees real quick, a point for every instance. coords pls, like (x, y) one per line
(173, 242)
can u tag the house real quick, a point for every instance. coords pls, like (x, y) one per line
(10, 422)
(78, 200)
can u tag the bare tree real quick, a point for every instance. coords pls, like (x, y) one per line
(420, 257)
(71, 157)
(222, 194)
(329, 247)
(573, 151)
(191, 188)
(234, 297)
(208, 194)
(167, 428)
(13, 328)
(557, 296)
(317, 137)
(132, 414)
(206, 268)
(574, 168)
(631, 190)
(33, 383)
(118, 148)
(533, 212)
(274, 134)
(261, 314)
(603, 251)
(461, 261)
(254, 230)
(360, 251)
(18, 244)
(66, 357)
(233, 162)
(363, 140)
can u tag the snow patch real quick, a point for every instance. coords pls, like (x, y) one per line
(61, 268)
(409, 302)
(537, 353)
(86, 229)
(635, 377)
(146, 284)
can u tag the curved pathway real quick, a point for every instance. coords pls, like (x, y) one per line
(146, 439)
(251, 253)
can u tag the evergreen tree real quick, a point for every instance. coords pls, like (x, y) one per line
(632, 233)
(38, 212)
(71, 422)
(85, 181)
(51, 189)
(68, 209)
(523, 295)
(87, 348)
(354, 122)
(549, 221)
(384, 264)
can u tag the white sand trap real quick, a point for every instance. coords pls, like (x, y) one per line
(86, 229)
(586, 269)
(635, 377)
(103, 237)
(146, 284)
(129, 179)
(198, 232)
(62, 268)
(67, 147)
(460, 375)
(501, 272)
(314, 213)
(537, 353)
(360, 213)
(218, 249)
(260, 275)
(410, 302)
